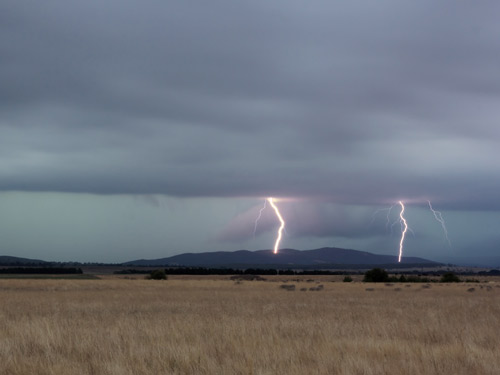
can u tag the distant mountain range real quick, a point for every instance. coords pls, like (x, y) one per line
(327, 257)
(324, 258)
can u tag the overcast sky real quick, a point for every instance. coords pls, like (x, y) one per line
(144, 129)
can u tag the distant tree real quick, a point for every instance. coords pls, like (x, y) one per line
(347, 279)
(376, 275)
(158, 275)
(450, 277)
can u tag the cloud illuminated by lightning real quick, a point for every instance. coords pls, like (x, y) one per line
(439, 217)
(404, 228)
(282, 226)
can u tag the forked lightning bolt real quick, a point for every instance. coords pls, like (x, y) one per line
(258, 217)
(439, 217)
(404, 228)
(282, 226)
(404, 225)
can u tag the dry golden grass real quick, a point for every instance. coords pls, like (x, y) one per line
(203, 326)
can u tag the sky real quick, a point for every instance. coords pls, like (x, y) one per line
(147, 129)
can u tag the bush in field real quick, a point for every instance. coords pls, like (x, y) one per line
(450, 277)
(410, 279)
(347, 279)
(158, 275)
(376, 275)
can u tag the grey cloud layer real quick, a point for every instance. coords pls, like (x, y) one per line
(365, 102)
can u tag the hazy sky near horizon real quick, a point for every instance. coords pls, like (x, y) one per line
(145, 129)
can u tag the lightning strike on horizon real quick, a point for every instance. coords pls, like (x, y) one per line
(404, 224)
(439, 218)
(258, 217)
(282, 226)
(404, 228)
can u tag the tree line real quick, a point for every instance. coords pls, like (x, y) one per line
(42, 270)
(232, 271)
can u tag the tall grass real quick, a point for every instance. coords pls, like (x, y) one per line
(220, 327)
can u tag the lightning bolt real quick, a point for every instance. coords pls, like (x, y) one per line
(258, 217)
(282, 226)
(404, 228)
(404, 225)
(439, 218)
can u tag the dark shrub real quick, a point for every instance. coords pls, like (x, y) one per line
(450, 277)
(347, 279)
(376, 275)
(158, 275)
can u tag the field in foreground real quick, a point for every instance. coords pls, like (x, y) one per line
(203, 326)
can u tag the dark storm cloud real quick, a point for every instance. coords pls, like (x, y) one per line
(365, 102)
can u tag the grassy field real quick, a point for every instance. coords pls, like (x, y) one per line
(206, 326)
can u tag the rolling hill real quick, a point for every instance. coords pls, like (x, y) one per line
(6, 260)
(320, 258)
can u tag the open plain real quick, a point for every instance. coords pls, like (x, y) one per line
(204, 325)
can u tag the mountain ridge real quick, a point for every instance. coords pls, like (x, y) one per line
(8, 260)
(292, 257)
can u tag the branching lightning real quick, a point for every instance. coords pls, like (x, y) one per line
(404, 228)
(439, 218)
(402, 220)
(388, 216)
(404, 224)
(258, 217)
(388, 222)
(282, 226)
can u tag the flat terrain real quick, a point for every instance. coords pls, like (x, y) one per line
(217, 326)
